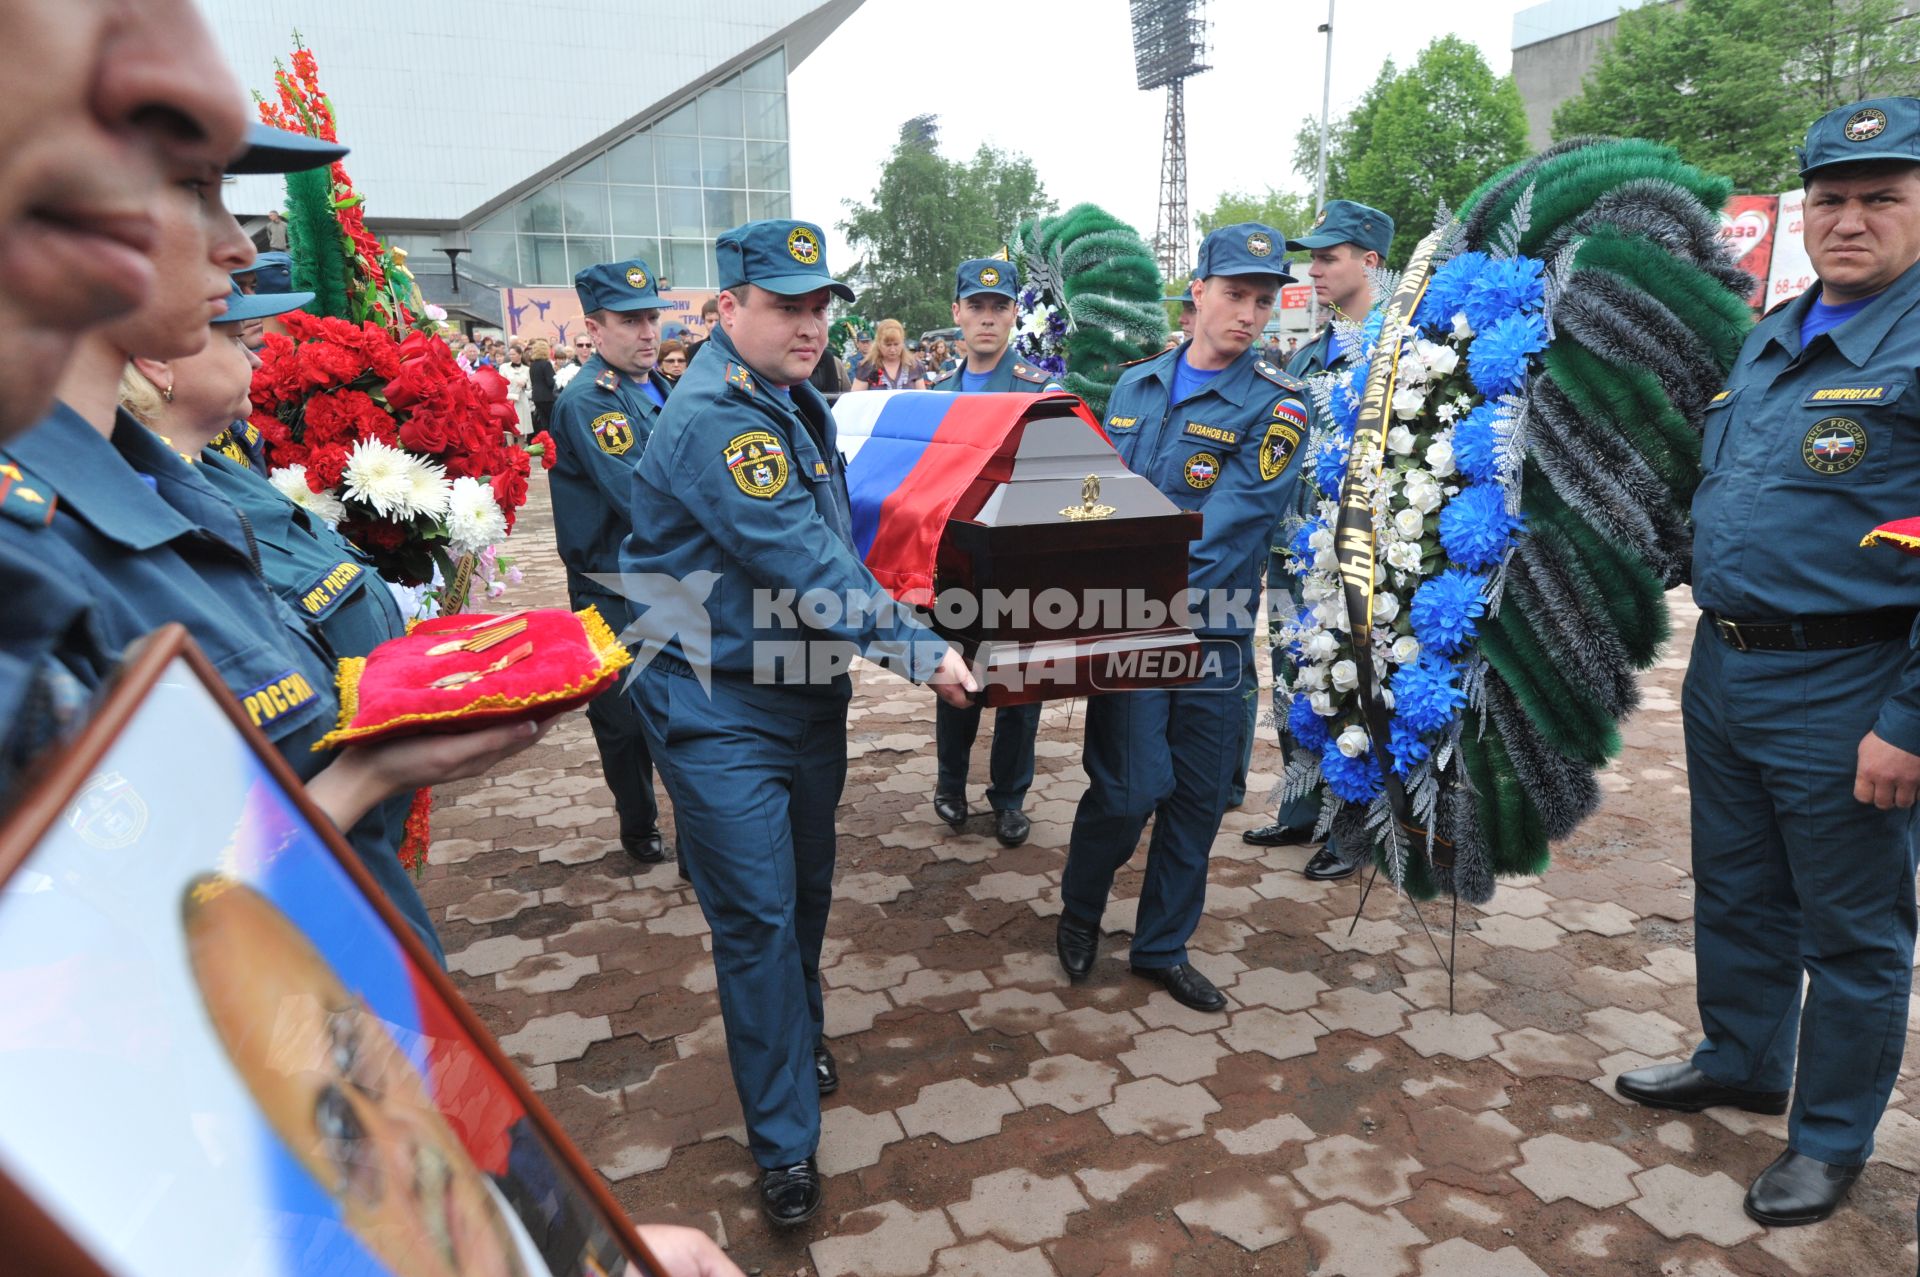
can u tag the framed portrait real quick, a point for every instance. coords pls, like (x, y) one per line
(221, 1049)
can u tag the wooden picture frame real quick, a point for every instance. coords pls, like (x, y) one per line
(117, 1076)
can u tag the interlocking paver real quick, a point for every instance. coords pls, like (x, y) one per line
(1680, 1203)
(895, 1241)
(958, 1110)
(1597, 1175)
(1357, 1243)
(1018, 1206)
(948, 1009)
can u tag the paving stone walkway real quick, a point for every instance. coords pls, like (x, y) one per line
(995, 1121)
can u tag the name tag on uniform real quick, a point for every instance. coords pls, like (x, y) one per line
(1219, 434)
(322, 595)
(1122, 423)
(1885, 392)
(278, 697)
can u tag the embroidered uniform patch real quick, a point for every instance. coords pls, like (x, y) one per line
(278, 697)
(1834, 446)
(636, 278)
(1122, 423)
(1219, 434)
(608, 380)
(1202, 469)
(323, 594)
(758, 462)
(1849, 394)
(739, 378)
(989, 277)
(1276, 450)
(1259, 244)
(1291, 411)
(1867, 124)
(803, 247)
(613, 433)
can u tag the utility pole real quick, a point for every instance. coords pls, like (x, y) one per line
(1320, 172)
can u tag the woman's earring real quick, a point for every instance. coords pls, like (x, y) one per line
(166, 392)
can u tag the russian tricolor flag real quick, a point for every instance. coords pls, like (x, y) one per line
(911, 456)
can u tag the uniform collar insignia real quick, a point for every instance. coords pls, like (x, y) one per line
(739, 378)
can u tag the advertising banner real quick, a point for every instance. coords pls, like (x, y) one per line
(553, 313)
(1792, 270)
(1748, 225)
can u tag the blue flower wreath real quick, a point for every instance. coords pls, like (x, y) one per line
(1448, 291)
(1426, 693)
(1475, 444)
(1497, 360)
(1354, 780)
(1406, 748)
(1505, 286)
(1445, 609)
(1308, 729)
(1475, 526)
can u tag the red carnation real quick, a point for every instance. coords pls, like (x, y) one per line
(325, 466)
(544, 442)
(510, 490)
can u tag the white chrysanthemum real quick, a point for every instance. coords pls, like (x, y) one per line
(427, 487)
(380, 476)
(1352, 742)
(474, 520)
(292, 484)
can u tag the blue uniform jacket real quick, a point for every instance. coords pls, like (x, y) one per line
(1804, 452)
(1012, 374)
(1316, 356)
(324, 577)
(241, 443)
(600, 427)
(745, 482)
(1227, 451)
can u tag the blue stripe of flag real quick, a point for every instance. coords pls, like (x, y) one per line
(900, 437)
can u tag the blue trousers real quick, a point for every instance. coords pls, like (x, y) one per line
(1010, 769)
(1794, 877)
(624, 759)
(1168, 754)
(754, 793)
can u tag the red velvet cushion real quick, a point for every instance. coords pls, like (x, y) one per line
(1902, 534)
(390, 693)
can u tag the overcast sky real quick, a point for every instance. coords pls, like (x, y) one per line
(1054, 79)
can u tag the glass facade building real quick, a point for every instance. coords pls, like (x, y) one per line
(662, 193)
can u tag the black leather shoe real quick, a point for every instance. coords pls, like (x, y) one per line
(1327, 866)
(1276, 835)
(1683, 1087)
(951, 808)
(648, 848)
(825, 1071)
(1077, 943)
(791, 1194)
(1011, 827)
(1188, 987)
(1797, 1189)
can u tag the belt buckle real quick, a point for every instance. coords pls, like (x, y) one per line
(1730, 633)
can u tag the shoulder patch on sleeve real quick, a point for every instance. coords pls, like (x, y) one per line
(613, 432)
(1293, 410)
(608, 380)
(23, 498)
(740, 379)
(1278, 376)
(757, 459)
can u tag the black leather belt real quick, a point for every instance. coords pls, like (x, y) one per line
(1813, 633)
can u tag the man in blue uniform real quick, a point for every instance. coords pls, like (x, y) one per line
(1802, 699)
(1216, 428)
(601, 424)
(1347, 240)
(739, 506)
(985, 293)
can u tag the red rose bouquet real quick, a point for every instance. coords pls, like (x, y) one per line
(393, 443)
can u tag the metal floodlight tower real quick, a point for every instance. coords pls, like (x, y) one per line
(1169, 44)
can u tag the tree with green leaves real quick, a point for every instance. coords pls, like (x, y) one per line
(1733, 84)
(1283, 210)
(1420, 138)
(928, 214)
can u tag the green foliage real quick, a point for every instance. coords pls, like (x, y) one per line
(927, 214)
(1733, 84)
(1421, 137)
(1103, 273)
(313, 241)
(1286, 212)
